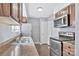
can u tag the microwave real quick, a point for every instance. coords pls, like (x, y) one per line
(62, 21)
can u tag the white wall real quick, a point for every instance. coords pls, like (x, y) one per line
(39, 30)
(24, 10)
(77, 30)
(6, 32)
(43, 31)
(50, 25)
(35, 22)
(26, 29)
(54, 31)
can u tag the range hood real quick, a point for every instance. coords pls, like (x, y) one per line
(8, 20)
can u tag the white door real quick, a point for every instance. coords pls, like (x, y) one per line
(43, 31)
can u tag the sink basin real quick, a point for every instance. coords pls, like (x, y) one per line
(25, 41)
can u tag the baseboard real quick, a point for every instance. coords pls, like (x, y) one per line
(41, 43)
(36, 42)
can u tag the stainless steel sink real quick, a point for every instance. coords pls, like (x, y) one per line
(24, 41)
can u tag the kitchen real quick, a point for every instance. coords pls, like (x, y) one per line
(41, 29)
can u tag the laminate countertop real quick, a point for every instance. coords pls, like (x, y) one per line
(21, 50)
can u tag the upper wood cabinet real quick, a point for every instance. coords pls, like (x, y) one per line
(70, 10)
(16, 11)
(4, 9)
(13, 10)
(62, 12)
(24, 20)
(72, 14)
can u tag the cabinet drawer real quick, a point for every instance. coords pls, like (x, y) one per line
(68, 46)
(68, 49)
(68, 53)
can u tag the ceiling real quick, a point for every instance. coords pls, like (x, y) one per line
(48, 9)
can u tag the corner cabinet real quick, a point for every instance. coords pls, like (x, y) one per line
(4, 9)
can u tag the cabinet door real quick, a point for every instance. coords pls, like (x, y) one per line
(4, 9)
(1, 10)
(72, 14)
(68, 49)
(16, 11)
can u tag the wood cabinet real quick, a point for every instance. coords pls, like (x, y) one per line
(62, 12)
(4, 9)
(68, 49)
(11, 9)
(16, 11)
(24, 20)
(70, 10)
(72, 14)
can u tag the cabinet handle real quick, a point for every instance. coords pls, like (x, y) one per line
(69, 47)
(69, 53)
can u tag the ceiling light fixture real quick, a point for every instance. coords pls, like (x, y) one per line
(40, 9)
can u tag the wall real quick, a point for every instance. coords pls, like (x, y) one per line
(6, 28)
(54, 31)
(43, 31)
(6, 32)
(77, 30)
(26, 29)
(39, 29)
(35, 22)
(24, 10)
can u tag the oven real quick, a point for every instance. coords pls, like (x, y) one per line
(56, 47)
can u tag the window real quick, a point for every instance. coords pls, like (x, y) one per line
(15, 28)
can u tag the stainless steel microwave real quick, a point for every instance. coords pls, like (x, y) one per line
(62, 21)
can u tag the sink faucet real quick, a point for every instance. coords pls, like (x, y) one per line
(18, 39)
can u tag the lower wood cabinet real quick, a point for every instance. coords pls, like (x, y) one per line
(68, 49)
(62, 48)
